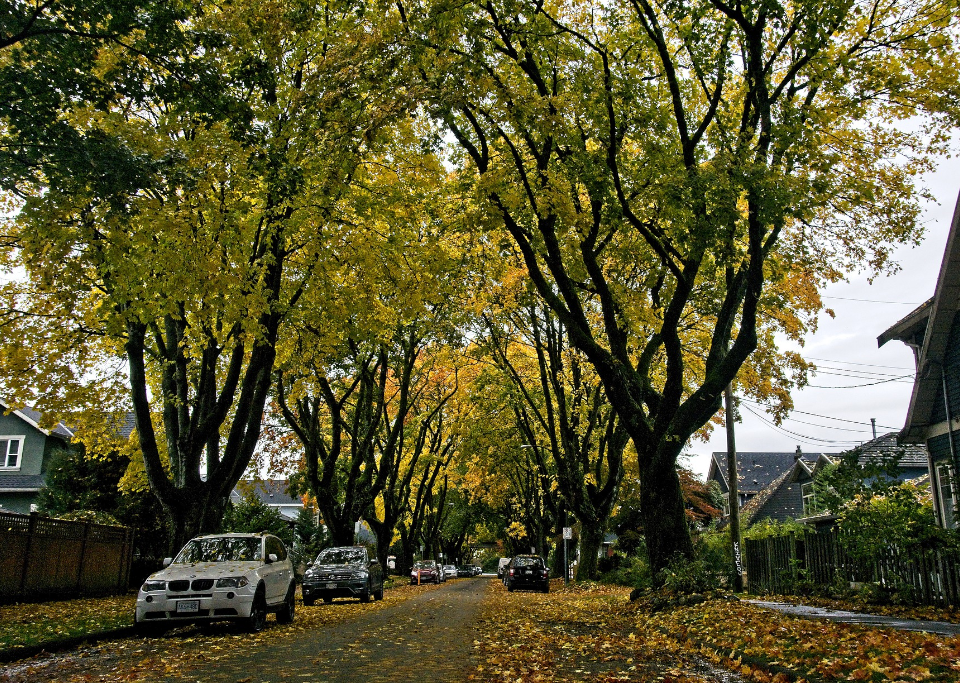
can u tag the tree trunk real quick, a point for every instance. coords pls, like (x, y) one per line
(193, 514)
(664, 518)
(591, 540)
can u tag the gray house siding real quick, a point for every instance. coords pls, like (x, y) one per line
(785, 503)
(951, 365)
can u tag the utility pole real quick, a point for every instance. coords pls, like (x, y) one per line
(734, 493)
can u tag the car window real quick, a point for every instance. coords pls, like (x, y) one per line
(429, 564)
(342, 556)
(275, 546)
(527, 562)
(223, 549)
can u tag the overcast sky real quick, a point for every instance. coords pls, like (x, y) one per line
(856, 380)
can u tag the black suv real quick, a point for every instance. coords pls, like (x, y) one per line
(345, 572)
(527, 571)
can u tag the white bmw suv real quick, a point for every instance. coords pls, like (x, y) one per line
(225, 576)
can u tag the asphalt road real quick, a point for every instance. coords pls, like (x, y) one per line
(429, 637)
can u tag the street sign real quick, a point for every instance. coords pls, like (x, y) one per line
(567, 533)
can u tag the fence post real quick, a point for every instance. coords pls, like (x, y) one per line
(27, 551)
(83, 557)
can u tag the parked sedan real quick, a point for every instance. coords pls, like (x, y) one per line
(344, 572)
(224, 576)
(426, 571)
(450, 571)
(528, 571)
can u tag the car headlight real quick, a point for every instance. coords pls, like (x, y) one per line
(362, 575)
(232, 582)
(153, 586)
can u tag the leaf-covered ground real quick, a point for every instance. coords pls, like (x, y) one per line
(765, 646)
(588, 633)
(585, 633)
(38, 623)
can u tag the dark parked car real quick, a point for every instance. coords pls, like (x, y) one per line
(345, 572)
(528, 571)
(425, 571)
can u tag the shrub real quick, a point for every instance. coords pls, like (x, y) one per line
(685, 576)
(632, 571)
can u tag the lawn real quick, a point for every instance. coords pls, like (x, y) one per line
(26, 624)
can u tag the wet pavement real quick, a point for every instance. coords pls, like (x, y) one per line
(940, 627)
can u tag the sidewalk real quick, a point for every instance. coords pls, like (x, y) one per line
(944, 628)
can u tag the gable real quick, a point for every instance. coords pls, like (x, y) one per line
(756, 470)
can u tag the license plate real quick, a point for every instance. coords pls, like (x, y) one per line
(331, 585)
(528, 571)
(188, 606)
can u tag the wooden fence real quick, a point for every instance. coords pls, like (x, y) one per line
(43, 557)
(823, 558)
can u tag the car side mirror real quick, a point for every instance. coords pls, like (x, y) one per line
(374, 561)
(167, 561)
(271, 558)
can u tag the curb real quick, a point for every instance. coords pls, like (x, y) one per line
(16, 653)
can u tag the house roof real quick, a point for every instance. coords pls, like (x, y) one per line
(21, 483)
(934, 319)
(756, 470)
(33, 418)
(889, 445)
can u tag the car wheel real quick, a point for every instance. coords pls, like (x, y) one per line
(286, 612)
(378, 594)
(257, 620)
(308, 602)
(365, 595)
(327, 600)
(546, 588)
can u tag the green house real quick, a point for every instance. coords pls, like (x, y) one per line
(25, 451)
(932, 331)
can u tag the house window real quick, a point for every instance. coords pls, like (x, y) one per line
(10, 449)
(809, 499)
(945, 491)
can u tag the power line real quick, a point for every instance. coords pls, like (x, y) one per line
(809, 439)
(858, 386)
(871, 301)
(850, 362)
(825, 417)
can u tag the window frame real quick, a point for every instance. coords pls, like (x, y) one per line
(948, 507)
(5, 456)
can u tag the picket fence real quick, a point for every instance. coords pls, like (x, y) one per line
(53, 558)
(822, 558)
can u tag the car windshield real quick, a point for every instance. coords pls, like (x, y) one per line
(223, 549)
(341, 556)
(527, 562)
(430, 564)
